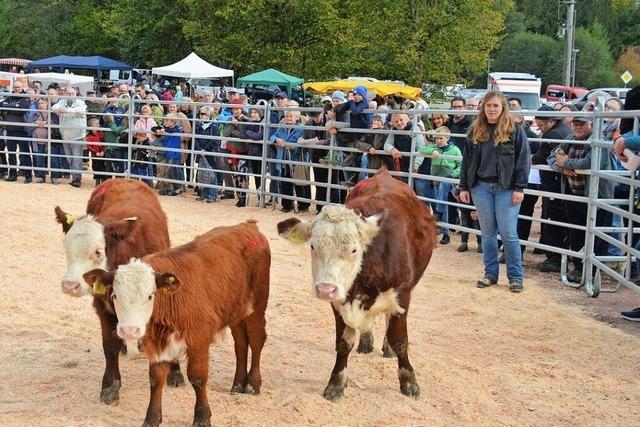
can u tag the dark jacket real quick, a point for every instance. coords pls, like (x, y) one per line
(253, 130)
(513, 162)
(550, 181)
(320, 133)
(235, 130)
(376, 140)
(460, 127)
(357, 118)
(16, 116)
(208, 145)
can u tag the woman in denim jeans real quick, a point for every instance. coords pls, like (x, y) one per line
(495, 171)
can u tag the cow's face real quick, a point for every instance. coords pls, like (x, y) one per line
(338, 238)
(132, 288)
(86, 244)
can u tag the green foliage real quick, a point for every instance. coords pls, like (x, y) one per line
(629, 61)
(411, 40)
(531, 53)
(594, 63)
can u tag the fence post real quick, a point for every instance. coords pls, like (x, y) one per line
(592, 208)
(265, 149)
(332, 141)
(412, 158)
(130, 128)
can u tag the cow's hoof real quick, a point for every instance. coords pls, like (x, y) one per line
(111, 395)
(152, 423)
(333, 393)
(249, 389)
(365, 345)
(202, 423)
(387, 351)
(175, 379)
(408, 385)
(237, 389)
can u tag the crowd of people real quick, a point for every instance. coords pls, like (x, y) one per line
(479, 155)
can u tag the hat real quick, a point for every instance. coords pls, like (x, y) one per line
(581, 119)
(231, 89)
(360, 90)
(237, 101)
(325, 99)
(377, 117)
(545, 107)
(338, 95)
(280, 94)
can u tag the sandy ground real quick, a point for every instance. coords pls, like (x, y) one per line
(482, 356)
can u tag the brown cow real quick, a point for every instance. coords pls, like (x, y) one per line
(366, 257)
(219, 279)
(124, 219)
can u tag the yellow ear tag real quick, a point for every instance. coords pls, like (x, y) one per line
(131, 218)
(170, 280)
(296, 238)
(69, 219)
(98, 288)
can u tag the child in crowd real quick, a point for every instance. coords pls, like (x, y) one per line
(140, 156)
(445, 168)
(370, 143)
(112, 153)
(40, 135)
(95, 145)
(171, 141)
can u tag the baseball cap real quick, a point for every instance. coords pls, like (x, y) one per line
(582, 119)
(280, 94)
(548, 108)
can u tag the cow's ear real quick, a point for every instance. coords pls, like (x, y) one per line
(369, 227)
(295, 230)
(121, 229)
(167, 282)
(64, 219)
(100, 281)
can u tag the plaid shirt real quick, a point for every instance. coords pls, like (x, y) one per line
(577, 184)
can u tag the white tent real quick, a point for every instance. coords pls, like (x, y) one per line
(84, 83)
(192, 67)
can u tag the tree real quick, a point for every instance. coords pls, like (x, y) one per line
(629, 61)
(531, 53)
(594, 63)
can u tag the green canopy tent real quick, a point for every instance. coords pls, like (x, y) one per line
(271, 76)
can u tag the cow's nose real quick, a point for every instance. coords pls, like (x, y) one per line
(71, 288)
(326, 291)
(129, 332)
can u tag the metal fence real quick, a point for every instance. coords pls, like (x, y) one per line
(325, 178)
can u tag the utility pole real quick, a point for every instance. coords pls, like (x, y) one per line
(568, 48)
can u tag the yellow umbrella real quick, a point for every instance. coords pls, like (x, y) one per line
(379, 88)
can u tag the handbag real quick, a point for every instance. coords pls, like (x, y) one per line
(205, 172)
(301, 172)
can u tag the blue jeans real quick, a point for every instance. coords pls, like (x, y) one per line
(423, 188)
(57, 156)
(40, 159)
(497, 214)
(442, 193)
(142, 170)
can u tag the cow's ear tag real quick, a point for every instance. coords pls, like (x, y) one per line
(131, 218)
(98, 287)
(296, 238)
(170, 281)
(69, 218)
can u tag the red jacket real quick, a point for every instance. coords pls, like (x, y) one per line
(94, 141)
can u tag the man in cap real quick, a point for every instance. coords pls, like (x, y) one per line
(551, 127)
(568, 159)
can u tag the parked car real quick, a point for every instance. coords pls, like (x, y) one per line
(557, 93)
(614, 92)
(260, 91)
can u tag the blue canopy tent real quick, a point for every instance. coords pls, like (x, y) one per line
(97, 63)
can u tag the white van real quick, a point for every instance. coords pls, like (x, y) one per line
(524, 86)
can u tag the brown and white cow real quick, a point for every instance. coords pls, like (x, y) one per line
(124, 219)
(366, 257)
(177, 300)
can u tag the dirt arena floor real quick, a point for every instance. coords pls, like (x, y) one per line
(550, 356)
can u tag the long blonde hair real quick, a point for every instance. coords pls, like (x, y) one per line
(506, 123)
